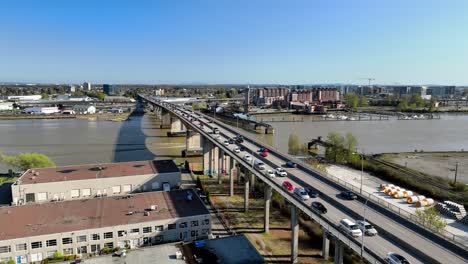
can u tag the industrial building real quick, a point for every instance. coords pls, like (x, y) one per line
(97, 180)
(84, 109)
(110, 89)
(33, 232)
(6, 106)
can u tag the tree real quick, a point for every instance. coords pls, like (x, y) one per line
(293, 144)
(351, 100)
(403, 105)
(351, 145)
(45, 96)
(363, 101)
(334, 151)
(57, 255)
(431, 217)
(26, 161)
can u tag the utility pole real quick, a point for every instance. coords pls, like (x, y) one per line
(456, 172)
(362, 169)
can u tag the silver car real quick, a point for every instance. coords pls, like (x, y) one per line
(301, 193)
(394, 258)
(269, 173)
(366, 228)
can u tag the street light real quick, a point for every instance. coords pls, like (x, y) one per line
(363, 234)
(362, 170)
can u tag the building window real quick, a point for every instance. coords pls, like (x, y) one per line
(5, 249)
(183, 225)
(81, 238)
(108, 235)
(51, 253)
(85, 192)
(22, 246)
(95, 248)
(195, 223)
(194, 233)
(95, 237)
(75, 193)
(51, 243)
(42, 196)
(82, 250)
(207, 221)
(37, 244)
(205, 231)
(127, 188)
(147, 229)
(171, 226)
(67, 240)
(121, 233)
(159, 228)
(116, 189)
(135, 230)
(109, 245)
(68, 251)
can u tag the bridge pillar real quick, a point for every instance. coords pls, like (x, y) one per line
(214, 160)
(339, 250)
(266, 218)
(193, 144)
(231, 175)
(220, 165)
(294, 233)
(165, 119)
(325, 245)
(252, 182)
(239, 172)
(177, 128)
(246, 191)
(207, 151)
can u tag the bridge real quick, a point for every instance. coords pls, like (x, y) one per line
(397, 233)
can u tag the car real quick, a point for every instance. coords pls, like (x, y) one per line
(311, 192)
(301, 193)
(394, 258)
(217, 137)
(263, 150)
(237, 150)
(281, 172)
(366, 228)
(264, 154)
(287, 185)
(259, 165)
(231, 141)
(242, 148)
(226, 143)
(247, 158)
(291, 164)
(319, 207)
(269, 173)
(239, 139)
(349, 195)
(350, 227)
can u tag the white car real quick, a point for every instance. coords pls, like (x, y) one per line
(366, 228)
(301, 193)
(394, 258)
(226, 143)
(217, 137)
(269, 173)
(237, 150)
(281, 172)
(247, 158)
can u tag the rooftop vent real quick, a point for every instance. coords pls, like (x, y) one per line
(139, 165)
(146, 213)
(66, 171)
(97, 168)
(36, 173)
(153, 207)
(33, 171)
(130, 213)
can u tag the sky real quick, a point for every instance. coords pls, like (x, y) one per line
(234, 41)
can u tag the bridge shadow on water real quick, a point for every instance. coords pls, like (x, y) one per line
(131, 140)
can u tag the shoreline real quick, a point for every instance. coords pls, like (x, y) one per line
(106, 116)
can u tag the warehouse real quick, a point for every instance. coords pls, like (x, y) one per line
(96, 180)
(33, 232)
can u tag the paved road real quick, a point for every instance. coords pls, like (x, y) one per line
(379, 244)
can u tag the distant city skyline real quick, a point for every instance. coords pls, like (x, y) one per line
(235, 42)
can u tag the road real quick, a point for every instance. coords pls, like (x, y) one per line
(380, 244)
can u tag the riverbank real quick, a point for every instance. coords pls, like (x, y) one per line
(104, 116)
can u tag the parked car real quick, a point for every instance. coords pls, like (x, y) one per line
(288, 186)
(264, 154)
(269, 173)
(291, 164)
(247, 158)
(394, 258)
(311, 192)
(350, 227)
(366, 228)
(301, 193)
(237, 150)
(281, 172)
(319, 207)
(349, 195)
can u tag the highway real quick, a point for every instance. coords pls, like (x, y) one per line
(391, 232)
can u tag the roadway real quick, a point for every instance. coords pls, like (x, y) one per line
(380, 244)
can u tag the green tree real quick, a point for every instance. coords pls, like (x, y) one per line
(351, 100)
(403, 105)
(25, 161)
(431, 217)
(416, 100)
(293, 144)
(45, 96)
(334, 150)
(11, 262)
(432, 105)
(363, 101)
(350, 145)
(58, 255)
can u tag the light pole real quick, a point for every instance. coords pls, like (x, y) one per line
(363, 234)
(456, 172)
(362, 170)
(237, 121)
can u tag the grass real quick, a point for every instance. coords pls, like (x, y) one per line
(4, 179)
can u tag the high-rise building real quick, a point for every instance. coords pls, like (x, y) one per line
(87, 86)
(110, 89)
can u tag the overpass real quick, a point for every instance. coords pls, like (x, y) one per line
(396, 233)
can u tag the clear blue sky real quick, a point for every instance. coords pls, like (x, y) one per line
(234, 41)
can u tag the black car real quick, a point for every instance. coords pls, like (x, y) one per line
(319, 207)
(291, 164)
(241, 148)
(231, 141)
(239, 139)
(311, 192)
(349, 195)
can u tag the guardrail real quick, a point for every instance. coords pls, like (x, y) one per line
(327, 224)
(380, 203)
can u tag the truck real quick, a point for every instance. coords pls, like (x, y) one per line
(215, 130)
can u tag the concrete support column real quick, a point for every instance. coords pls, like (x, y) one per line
(207, 151)
(294, 233)
(252, 182)
(193, 144)
(266, 217)
(239, 175)
(214, 160)
(177, 128)
(231, 176)
(339, 250)
(165, 119)
(220, 165)
(246, 191)
(325, 245)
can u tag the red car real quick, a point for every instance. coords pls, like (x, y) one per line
(264, 154)
(288, 186)
(263, 150)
